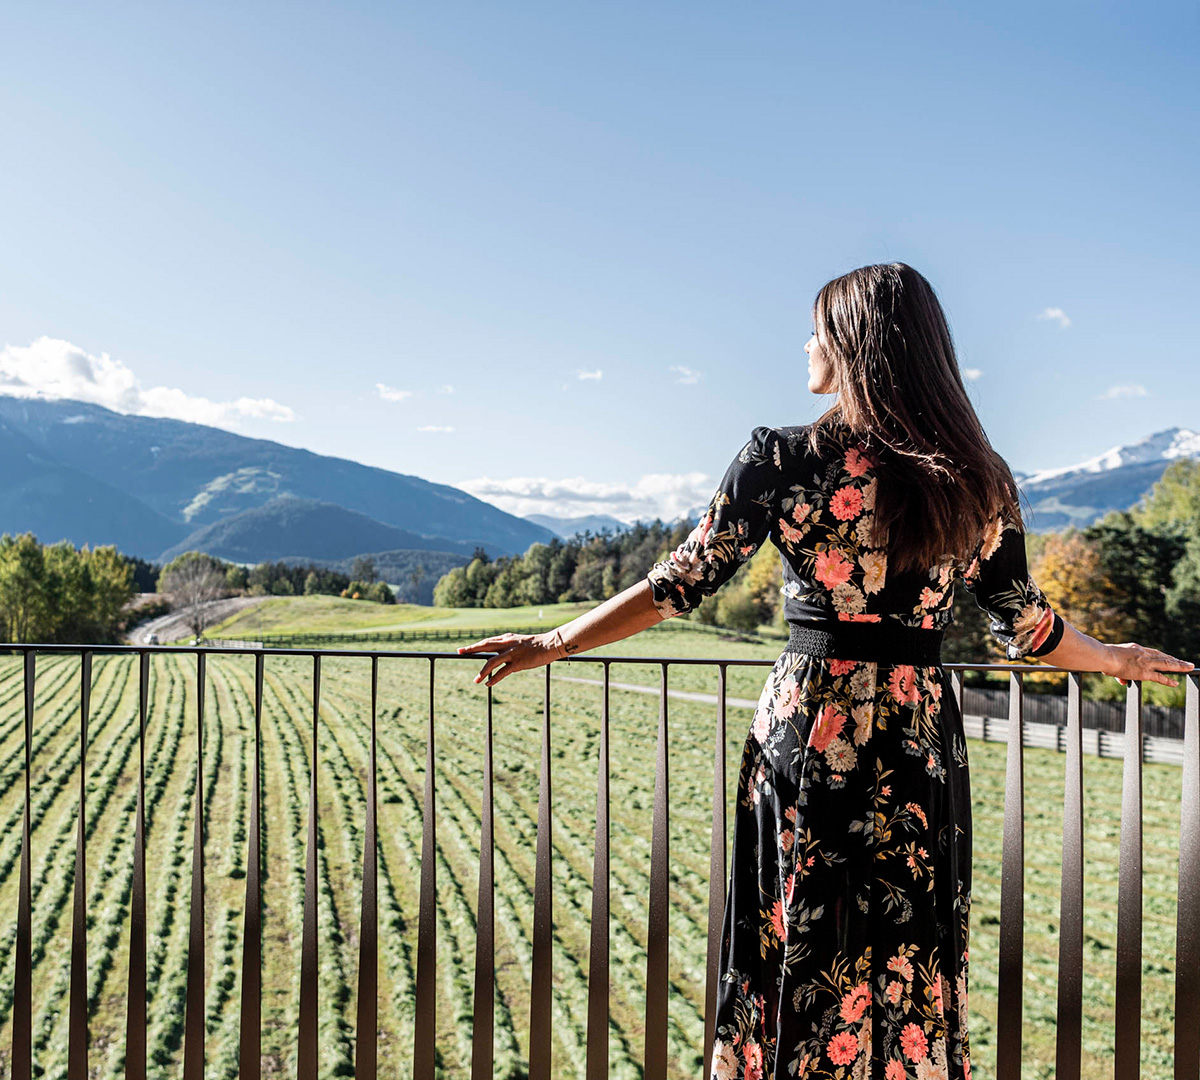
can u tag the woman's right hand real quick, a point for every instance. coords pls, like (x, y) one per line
(1132, 662)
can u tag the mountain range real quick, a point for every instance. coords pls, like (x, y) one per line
(157, 487)
(154, 487)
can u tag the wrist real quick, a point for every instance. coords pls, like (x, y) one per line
(558, 646)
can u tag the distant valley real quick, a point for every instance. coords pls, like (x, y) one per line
(156, 487)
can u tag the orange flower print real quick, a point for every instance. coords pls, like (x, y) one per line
(800, 512)
(930, 598)
(753, 1057)
(912, 1042)
(874, 565)
(857, 462)
(860, 616)
(894, 1070)
(832, 569)
(842, 667)
(842, 1048)
(787, 697)
(786, 839)
(926, 622)
(992, 533)
(790, 534)
(916, 811)
(847, 503)
(779, 920)
(902, 966)
(802, 1068)
(827, 728)
(894, 992)
(903, 684)
(854, 1004)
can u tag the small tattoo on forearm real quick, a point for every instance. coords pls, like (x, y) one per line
(570, 647)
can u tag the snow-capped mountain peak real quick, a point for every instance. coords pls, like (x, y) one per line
(1165, 445)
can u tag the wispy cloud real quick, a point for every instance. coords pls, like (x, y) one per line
(1055, 314)
(390, 393)
(685, 375)
(1126, 391)
(53, 368)
(597, 375)
(971, 373)
(665, 495)
(435, 429)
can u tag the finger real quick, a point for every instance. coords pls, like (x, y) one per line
(490, 666)
(498, 674)
(483, 645)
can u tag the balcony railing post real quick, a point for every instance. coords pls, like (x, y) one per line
(425, 1022)
(541, 985)
(1012, 893)
(1128, 1038)
(135, 998)
(22, 1023)
(484, 1020)
(657, 940)
(77, 1055)
(250, 1043)
(1187, 937)
(368, 927)
(193, 1036)
(716, 874)
(1069, 1025)
(598, 977)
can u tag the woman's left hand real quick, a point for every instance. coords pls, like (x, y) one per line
(514, 652)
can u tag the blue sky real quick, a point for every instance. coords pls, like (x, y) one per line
(586, 237)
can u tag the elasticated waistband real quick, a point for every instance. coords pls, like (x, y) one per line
(885, 642)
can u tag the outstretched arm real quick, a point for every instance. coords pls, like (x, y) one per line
(622, 616)
(1078, 651)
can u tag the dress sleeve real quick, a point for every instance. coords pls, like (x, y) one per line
(998, 577)
(736, 523)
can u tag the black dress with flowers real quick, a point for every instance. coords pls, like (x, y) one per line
(844, 952)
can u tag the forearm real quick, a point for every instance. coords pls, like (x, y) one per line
(1078, 651)
(619, 617)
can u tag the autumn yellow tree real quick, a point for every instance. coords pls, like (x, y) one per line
(1069, 572)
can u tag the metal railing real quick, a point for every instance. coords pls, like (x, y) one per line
(655, 1049)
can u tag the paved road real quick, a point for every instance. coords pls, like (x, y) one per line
(173, 627)
(681, 695)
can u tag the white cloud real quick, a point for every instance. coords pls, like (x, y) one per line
(53, 368)
(971, 373)
(597, 375)
(1057, 314)
(686, 376)
(1129, 390)
(435, 429)
(390, 393)
(665, 495)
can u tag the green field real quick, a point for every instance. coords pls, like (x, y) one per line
(342, 756)
(333, 615)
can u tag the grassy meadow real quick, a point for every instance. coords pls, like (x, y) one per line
(343, 740)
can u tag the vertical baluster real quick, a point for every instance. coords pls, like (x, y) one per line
(368, 927)
(135, 998)
(1069, 1026)
(78, 1018)
(307, 1048)
(1012, 892)
(598, 979)
(425, 1036)
(250, 1047)
(1187, 947)
(1129, 897)
(543, 917)
(193, 1035)
(22, 1023)
(657, 943)
(483, 1028)
(716, 875)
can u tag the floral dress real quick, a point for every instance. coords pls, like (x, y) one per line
(844, 950)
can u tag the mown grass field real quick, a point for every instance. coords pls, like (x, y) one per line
(342, 756)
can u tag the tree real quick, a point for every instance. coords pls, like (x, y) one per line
(1174, 500)
(24, 597)
(363, 569)
(193, 581)
(1069, 572)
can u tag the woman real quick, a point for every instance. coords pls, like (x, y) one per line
(845, 937)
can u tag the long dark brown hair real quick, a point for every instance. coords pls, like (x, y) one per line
(899, 389)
